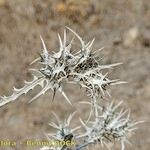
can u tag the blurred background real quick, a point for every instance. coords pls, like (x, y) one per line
(121, 26)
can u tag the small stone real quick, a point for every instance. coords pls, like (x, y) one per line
(130, 36)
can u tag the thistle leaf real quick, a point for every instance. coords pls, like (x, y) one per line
(18, 92)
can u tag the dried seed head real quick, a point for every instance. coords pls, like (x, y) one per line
(82, 67)
(110, 126)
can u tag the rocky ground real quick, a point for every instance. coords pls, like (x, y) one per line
(121, 26)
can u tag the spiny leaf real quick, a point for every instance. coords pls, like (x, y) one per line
(18, 92)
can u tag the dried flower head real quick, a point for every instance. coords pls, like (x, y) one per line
(63, 129)
(109, 126)
(82, 67)
(64, 132)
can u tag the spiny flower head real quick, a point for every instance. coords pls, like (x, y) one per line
(80, 67)
(63, 132)
(110, 126)
(63, 128)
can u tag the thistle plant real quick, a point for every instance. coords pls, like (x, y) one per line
(84, 68)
